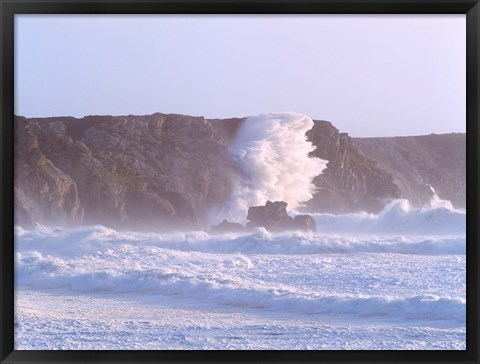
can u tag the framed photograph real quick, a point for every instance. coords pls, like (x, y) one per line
(239, 181)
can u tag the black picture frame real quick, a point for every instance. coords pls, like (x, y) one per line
(8, 9)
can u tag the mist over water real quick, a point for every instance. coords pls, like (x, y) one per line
(399, 228)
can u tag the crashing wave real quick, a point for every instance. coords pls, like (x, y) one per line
(272, 153)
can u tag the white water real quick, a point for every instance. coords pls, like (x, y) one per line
(272, 152)
(399, 217)
(355, 283)
(436, 201)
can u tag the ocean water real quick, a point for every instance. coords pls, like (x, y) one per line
(390, 281)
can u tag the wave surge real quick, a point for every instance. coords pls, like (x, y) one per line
(272, 152)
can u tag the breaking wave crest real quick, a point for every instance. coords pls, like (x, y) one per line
(398, 217)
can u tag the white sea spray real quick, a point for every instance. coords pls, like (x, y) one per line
(272, 153)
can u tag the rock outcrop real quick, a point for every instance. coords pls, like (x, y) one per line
(351, 181)
(160, 172)
(305, 223)
(228, 227)
(418, 162)
(273, 217)
(364, 174)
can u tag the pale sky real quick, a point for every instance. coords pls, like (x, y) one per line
(376, 75)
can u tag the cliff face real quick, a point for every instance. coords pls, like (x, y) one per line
(160, 172)
(417, 162)
(352, 181)
(167, 172)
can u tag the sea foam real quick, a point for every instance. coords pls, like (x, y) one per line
(95, 275)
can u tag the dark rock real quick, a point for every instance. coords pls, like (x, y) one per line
(274, 217)
(305, 222)
(364, 174)
(154, 172)
(271, 211)
(351, 181)
(226, 128)
(43, 192)
(228, 227)
(415, 162)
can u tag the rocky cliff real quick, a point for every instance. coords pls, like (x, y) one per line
(160, 172)
(352, 181)
(418, 162)
(167, 172)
